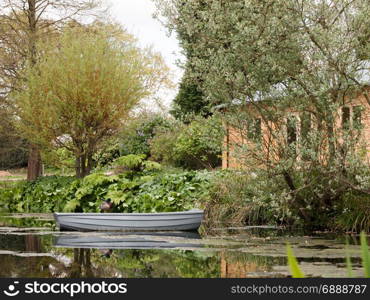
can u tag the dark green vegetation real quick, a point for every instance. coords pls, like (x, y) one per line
(140, 187)
(13, 148)
(257, 198)
(189, 101)
(229, 197)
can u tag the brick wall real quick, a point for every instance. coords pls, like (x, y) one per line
(231, 158)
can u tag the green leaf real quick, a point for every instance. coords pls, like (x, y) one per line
(71, 205)
(293, 264)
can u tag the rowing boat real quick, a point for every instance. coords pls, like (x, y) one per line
(184, 220)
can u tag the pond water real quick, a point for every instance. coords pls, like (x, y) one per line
(31, 246)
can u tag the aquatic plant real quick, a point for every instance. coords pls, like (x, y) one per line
(293, 264)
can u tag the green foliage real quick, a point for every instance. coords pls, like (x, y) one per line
(13, 148)
(352, 212)
(109, 151)
(46, 194)
(131, 161)
(196, 145)
(162, 145)
(365, 254)
(240, 197)
(79, 92)
(134, 164)
(201, 140)
(147, 191)
(293, 264)
(189, 101)
(260, 197)
(60, 159)
(135, 137)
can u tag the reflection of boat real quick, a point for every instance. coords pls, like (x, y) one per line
(128, 241)
(186, 220)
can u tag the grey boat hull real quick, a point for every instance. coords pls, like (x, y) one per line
(129, 241)
(186, 220)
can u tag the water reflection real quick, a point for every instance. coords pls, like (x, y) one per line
(23, 243)
(21, 221)
(134, 240)
(233, 252)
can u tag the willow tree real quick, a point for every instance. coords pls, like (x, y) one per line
(311, 57)
(22, 24)
(81, 90)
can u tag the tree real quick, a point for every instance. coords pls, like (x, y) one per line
(254, 45)
(276, 56)
(189, 101)
(13, 152)
(23, 24)
(81, 90)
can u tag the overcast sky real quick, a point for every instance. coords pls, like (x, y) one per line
(136, 17)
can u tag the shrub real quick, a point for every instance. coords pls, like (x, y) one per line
(353, 212)
(147, 191)
(237, 197)
(196, 145)
(162, 145)
(200, 143)
(244, 197)
(135, 137)
(46, 194)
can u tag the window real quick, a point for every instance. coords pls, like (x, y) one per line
(305, 131)
(291, 130)
(351, 118)
(305, 125)
(345, 117)
(255, 130)
(356, 116)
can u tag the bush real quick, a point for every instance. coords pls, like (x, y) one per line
(244, 197)
(146, 191)
(135, 163)
(162, 145)
(46, 194)
(353, 213)
(135, 138)
(59, 160)
(240, 197)
(193, 146)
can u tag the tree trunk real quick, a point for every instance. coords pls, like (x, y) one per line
(83, 165)
(78, 167)
(34, 168)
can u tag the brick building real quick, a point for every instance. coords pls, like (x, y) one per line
(356, 109)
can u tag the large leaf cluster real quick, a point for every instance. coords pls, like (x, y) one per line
(146, 192)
